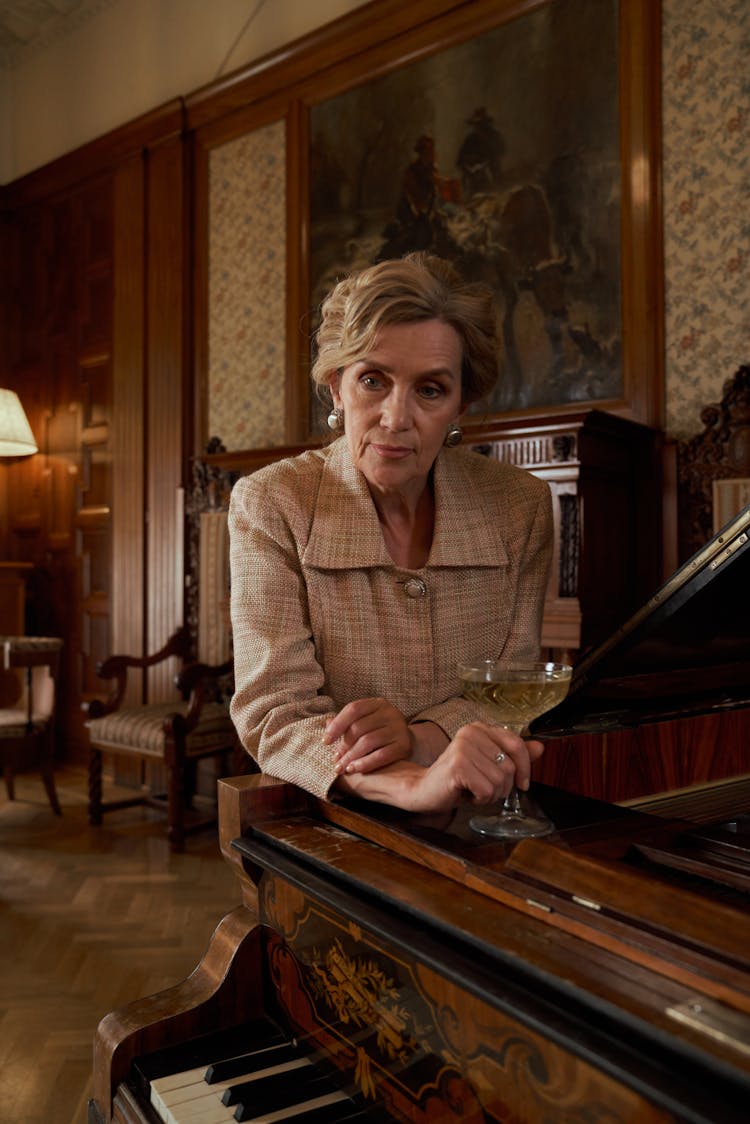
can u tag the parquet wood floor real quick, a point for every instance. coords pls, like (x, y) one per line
(90, 918)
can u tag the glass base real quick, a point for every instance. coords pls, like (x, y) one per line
(512, 825)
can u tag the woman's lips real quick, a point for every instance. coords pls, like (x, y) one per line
(391, 452)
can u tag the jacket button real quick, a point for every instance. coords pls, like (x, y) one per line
(415, 587)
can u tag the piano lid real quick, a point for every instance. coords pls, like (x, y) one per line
(686, 652)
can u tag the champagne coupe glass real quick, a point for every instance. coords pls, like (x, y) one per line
(513, 693)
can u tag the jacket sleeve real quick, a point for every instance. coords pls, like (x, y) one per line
(277, 708)
(524, 636)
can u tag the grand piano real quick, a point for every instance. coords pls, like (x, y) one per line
(385, 966)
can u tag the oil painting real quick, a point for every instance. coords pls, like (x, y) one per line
(502, 154)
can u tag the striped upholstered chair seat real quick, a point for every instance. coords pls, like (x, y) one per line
(141, 729)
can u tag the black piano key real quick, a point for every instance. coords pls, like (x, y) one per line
(254, 1035)
(271, 1094)
(242, 1064)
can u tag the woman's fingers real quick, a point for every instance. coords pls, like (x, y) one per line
(487, 771)
(486, 761)
(511, 751)
(340, 723)
(371, 732)
(368, 762)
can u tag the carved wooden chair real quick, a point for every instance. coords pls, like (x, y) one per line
(719, 453)
(175, 735)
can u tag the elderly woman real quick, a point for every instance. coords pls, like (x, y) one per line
(365, 571)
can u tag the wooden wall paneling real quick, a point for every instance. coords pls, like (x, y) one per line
(127, 599)
(30, 300)
(166, 372)
(74, 323)
(93, 518)
(641, 241)
(20, 357)
(197, 435)
(57, 258)
(6, 256)
(58, 461)
(296, 392)
(60, 456)
(13, 577)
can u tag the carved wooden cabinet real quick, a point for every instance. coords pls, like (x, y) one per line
(605, 475)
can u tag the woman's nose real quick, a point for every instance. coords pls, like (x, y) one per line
(396, 412)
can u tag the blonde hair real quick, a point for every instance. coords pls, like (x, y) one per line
(416, 287)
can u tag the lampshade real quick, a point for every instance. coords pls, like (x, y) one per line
(16, 438)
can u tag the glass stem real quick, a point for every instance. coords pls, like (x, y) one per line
(512, 803)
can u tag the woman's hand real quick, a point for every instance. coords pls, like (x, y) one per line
(468, 768)
(373, 733)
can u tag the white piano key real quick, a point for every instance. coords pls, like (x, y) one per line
(177, 1080)
(206, 1109)
(182, 1098)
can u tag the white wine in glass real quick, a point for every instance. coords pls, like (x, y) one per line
(512, 693)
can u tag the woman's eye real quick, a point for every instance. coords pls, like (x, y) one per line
(370, 382)
(430, 390)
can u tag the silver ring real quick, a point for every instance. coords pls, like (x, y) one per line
(500, 757)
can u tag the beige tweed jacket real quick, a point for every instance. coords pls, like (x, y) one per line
(321, 616)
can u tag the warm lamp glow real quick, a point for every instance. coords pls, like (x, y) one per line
(16, 438)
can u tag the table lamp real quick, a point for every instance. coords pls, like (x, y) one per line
(16, 438)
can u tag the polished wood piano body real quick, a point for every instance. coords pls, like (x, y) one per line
(601, 974)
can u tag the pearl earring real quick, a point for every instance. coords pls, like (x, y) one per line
(453, 436)
(336, 419)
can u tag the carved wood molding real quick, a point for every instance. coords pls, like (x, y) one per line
(720, 451)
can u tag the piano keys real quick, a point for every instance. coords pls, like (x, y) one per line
(256, 1074)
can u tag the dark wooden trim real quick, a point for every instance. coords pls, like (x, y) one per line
(296, 393)
(198, 435)
(641, 241)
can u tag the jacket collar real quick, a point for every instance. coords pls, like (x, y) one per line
(345, 532)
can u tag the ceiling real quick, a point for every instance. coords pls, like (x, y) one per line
(26, 25)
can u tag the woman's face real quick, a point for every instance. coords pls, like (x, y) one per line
(398, 401)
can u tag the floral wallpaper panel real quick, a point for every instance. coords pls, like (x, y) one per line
(706, 167)
(247, 289)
